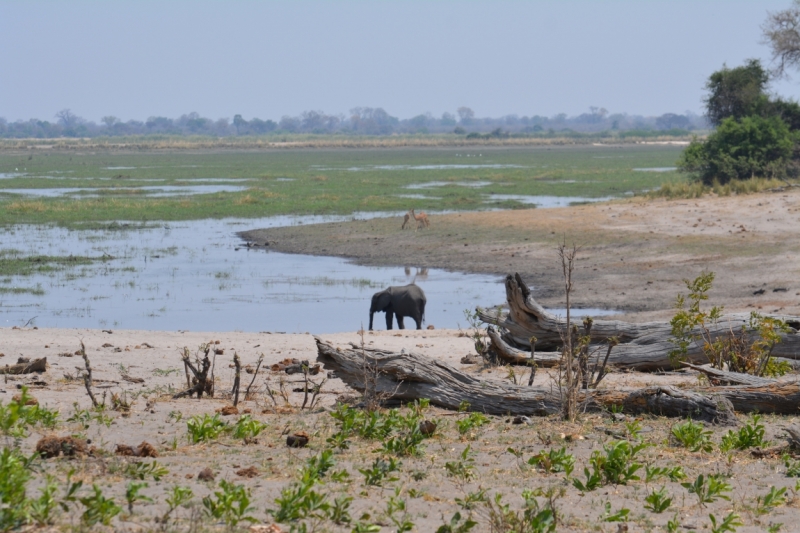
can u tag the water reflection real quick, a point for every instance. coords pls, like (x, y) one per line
(197, 276)
(546, 201)
(150, 190)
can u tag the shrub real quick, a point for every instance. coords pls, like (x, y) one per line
(751, 435)
(693, 436)
(747, 350)
(205, 428)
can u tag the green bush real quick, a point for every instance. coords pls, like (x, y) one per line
(205, 428)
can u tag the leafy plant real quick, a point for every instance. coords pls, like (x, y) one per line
(132, 494)
(340, 510)
(396, 512)
(749, 350)
(593, 481)
(708, 489)
(619, 516)
(456, 526)
(42, 509)
(792, 467)
(300, 501)
(140, 470)
(750, 435)
(471, 422)
(471, 499)
(728, 524)
(674, 473)
(464, 468)
(17, 415)
(657, 501)
(554, 461)
(774, 498)
(81, 416)
(231, 504)
(205, 428)
(693, 436)
(177, 496)
(617, 465)
(14, 477)
(99, 509)
(247, 428)
(378, 473)
(532, 519)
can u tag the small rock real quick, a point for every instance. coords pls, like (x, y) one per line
(430, 326)
(206, 474)
(297, 440)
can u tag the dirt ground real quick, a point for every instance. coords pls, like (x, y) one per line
(633, 253)
(633, 256)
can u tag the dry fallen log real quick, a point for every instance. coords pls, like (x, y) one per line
(722, 377)
(643, 347)
(37, 365)
(412, 376)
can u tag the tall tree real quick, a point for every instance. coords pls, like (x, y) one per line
(782, 34)
(736, 92)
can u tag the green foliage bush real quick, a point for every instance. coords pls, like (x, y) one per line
(739, 149)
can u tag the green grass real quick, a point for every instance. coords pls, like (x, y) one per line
(317, 181)
(13, 263)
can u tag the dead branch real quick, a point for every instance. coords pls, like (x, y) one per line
(87, 376)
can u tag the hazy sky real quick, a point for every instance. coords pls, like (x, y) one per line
(136, 59)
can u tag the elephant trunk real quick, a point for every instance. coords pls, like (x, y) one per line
(371, 314)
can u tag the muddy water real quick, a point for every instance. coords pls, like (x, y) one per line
(198, 276)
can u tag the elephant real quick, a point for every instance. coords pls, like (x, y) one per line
(408, 300)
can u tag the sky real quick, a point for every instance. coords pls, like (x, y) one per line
(266, 59)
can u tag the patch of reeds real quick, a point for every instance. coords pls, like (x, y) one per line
(696, 189)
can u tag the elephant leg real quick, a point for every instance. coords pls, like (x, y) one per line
(419, 322)
(400, 324)
(389, 319)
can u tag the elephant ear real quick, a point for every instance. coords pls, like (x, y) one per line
(384, 300)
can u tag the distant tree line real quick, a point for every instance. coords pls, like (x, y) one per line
(360, 121)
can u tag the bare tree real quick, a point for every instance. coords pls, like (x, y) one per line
(465, 114)
(570, 379)
(781, 32)
(67, 118)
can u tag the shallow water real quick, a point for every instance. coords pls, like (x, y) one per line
(422, 167)
(150, 190)
(432, 184)
(545, 201)
(656, 169)
(197, 276)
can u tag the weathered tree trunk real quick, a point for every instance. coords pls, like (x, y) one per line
(413, 376)
(37, 365)
(722, 377)
(643, 347)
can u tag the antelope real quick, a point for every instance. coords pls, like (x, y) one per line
(406, 218)
(422, 219)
